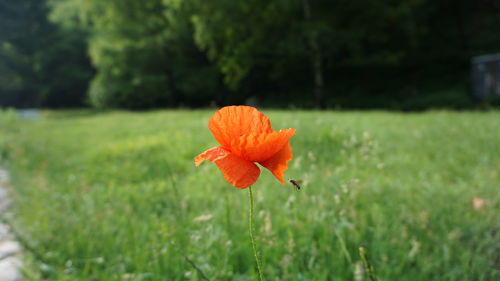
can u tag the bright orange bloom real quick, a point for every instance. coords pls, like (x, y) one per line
(246, 136)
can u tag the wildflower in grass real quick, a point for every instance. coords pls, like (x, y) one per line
(245, 136)
(478, 203)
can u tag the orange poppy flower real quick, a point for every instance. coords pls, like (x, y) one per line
(245, 136)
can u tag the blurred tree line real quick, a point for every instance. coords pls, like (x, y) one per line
(407, 54)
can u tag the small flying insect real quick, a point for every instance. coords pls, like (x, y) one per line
(295, 183)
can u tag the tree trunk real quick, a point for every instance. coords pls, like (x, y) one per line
(316, 63)
(176, 96)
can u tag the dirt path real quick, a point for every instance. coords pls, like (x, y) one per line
(10, 262)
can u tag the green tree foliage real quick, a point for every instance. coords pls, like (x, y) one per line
(126, 48)
(143, 52)
(289, 38)
(311, 53)
(40, 64)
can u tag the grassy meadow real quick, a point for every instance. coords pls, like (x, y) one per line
(116, 196)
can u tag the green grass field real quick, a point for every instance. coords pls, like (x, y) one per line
(116, 196)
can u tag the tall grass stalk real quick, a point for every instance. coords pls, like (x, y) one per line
(366, 262)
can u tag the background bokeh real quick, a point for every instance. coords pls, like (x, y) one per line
(116, 196)
(104, 190)
(412, 54)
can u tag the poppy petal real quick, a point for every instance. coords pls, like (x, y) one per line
(211, 154)
(278, 164)
(237, 171)
(260, 147)
(231, 122)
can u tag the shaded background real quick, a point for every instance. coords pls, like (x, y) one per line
(409, 55)
(114, 194)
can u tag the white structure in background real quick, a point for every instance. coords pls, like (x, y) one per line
(10, 262)
(486, 76)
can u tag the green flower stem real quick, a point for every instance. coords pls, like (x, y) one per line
(251, 229)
